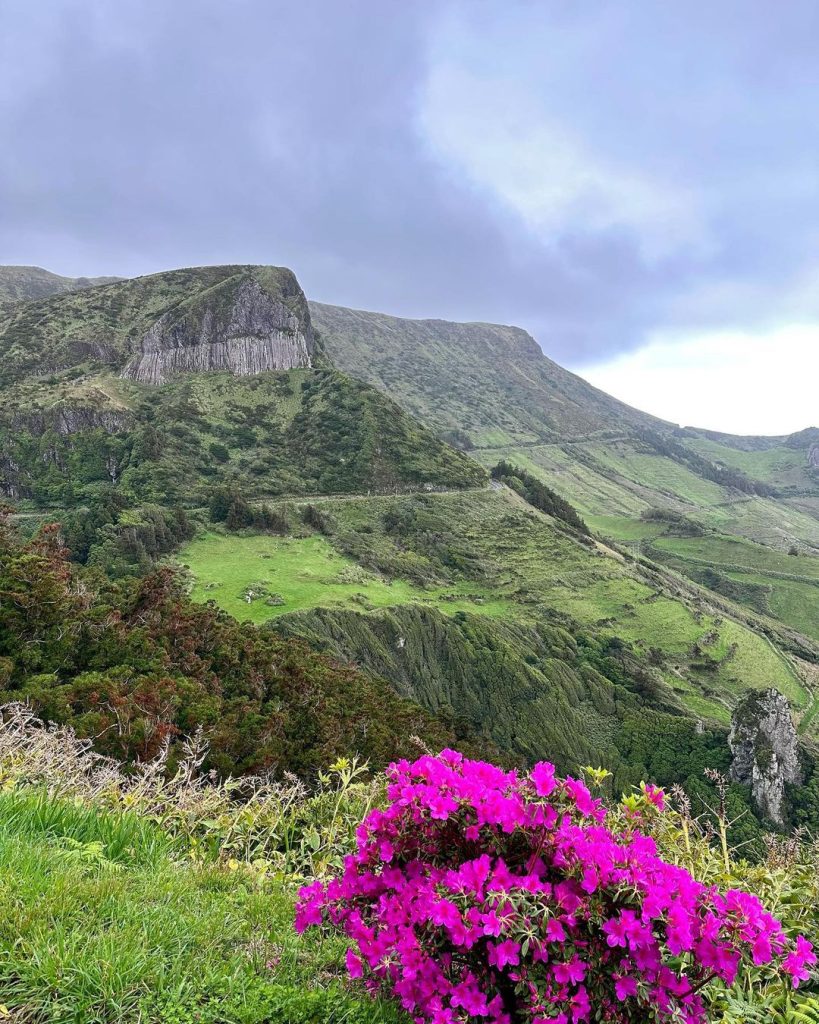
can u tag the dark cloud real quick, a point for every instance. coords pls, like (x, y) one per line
(146, 134)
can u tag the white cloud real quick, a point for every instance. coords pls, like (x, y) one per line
(731, 381)
(493, 131)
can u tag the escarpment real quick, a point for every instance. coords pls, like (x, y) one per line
(243, 329)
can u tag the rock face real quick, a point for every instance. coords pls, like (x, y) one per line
(243, 327)
(67, 418)
(765, 751)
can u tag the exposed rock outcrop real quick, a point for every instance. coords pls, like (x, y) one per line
(765, 750)
(69, 418)
(242, 327)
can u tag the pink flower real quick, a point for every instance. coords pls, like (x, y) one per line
(543, 778)
(502, 954)
(465, 858)
(624, 987)
(354, 966)
(795, 963)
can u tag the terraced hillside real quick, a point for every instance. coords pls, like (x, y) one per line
(490, 613)
(492, 391)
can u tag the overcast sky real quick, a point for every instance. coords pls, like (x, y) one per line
(636, 183)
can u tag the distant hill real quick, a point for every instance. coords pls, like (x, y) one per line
(480, 384)
(711, 505)
(18, 284)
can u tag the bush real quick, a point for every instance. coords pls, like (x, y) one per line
(479, 893)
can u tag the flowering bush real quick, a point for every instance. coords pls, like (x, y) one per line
(480, 894)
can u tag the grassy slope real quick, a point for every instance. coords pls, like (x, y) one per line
(527, 565)
(491, 388)
(613, 485)
(131, 931)
(306, 572)
(489, 382)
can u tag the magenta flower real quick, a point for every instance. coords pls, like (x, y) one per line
(543, 778)
(477, 894)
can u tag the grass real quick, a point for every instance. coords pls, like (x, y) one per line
(100, 933)
(661, 474)
(625, 529)
(533, 565)
(731, 551)
(586, 488)
(514, 565)
(306, 572)
(791, 581)
(780, 467)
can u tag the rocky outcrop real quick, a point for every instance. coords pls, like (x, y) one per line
(765, 750)
(243, 328)
(68, 419)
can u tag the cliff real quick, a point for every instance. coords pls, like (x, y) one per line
(765, 750)
(243, 326)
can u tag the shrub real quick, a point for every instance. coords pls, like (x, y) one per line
(483, 894)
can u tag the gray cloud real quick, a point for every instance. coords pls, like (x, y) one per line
(144, 134)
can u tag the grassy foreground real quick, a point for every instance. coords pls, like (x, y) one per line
(103, 919)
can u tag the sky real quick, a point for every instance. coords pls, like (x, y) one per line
(637, 184)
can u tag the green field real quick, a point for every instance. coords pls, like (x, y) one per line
(780, 466)
(488, 552)
(306, 572)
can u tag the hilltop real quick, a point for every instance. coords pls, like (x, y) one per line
(18, 284)
(477, 384)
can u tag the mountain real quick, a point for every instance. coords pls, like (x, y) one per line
(81, 409)
(17, 284)
(479, 384)
(322, 473)
(740, 515)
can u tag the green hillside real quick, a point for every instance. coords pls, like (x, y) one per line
(297, 431)
(116, 428)
(490, 390)
(492, 614)
(19, 284)
(478, 384)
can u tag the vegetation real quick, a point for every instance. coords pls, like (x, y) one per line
(259, 577)
(489, 390)
(516, 898)
(296, 432)
(155, 897)
(135, 665)
(158, 898)
(538, 495)
(17, 284)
